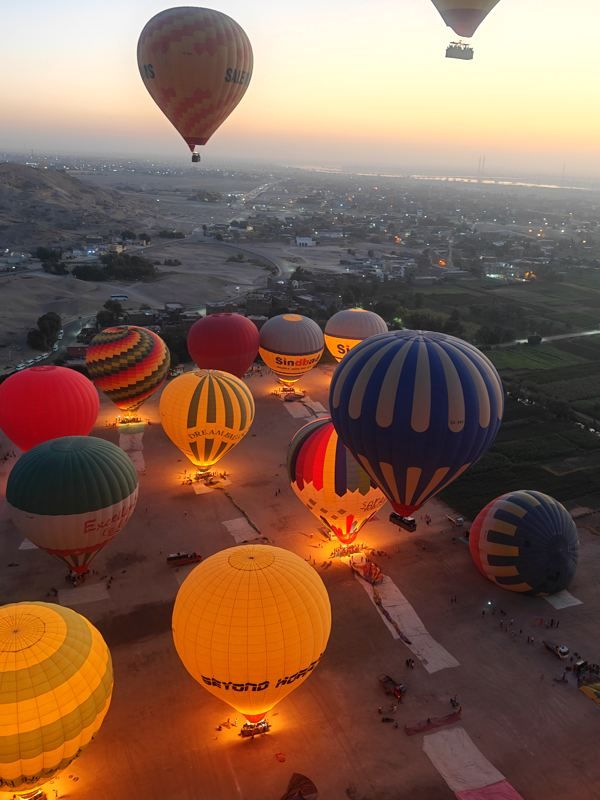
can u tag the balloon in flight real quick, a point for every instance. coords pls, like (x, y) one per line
(196, 64)
(416, 409)
(228, 342)
(464, 16)
(525, 541)
(56, 685)
(71, 496)
(128, 364)
(328, 480)
(205, 414)
(42, 403)
(291, 345)
(250, 624)
(347, 328)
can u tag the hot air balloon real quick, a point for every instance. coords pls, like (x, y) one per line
(197, 64)
(42, 403)
(525, 541)
(416, 409)
(329, 481)
(464, 17)
(71, 496)
(291, 345)
(250, 624)
(205, 414)
(56, 684)
(347, 328)
(128, 364)
(228, 342)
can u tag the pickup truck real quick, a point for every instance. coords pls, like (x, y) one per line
(457, 521)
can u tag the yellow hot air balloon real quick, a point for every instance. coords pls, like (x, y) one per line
(349, 327)
(56, 684)
(250, 624)
(205, 414)
(464, 17)
(291, 345)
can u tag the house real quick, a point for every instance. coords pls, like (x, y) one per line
(305, 241)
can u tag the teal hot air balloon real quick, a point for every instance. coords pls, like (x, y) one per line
(415, 409)
(525, 541)
(71, 496)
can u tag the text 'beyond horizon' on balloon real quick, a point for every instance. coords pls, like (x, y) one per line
(291, 345)
(464, 16)
(349, 327)
(326, 477)
(196, 64)
(226, 341)
(416, 409)
(250, 624)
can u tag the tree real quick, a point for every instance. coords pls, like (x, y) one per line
(128, 234)
(35, 339)
(49, 325)
(105, 318)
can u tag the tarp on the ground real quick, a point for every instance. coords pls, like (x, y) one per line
(592, 690)
(301, 788)
(496, 791)
(459, 761)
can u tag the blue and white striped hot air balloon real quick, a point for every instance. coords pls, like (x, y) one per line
(416, 409)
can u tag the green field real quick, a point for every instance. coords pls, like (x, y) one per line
(525, 357)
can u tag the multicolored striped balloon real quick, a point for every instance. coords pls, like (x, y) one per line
(128, 364)
(525, 541)
(416, 409)
(330, 483)
(205, 414)
(56, 683)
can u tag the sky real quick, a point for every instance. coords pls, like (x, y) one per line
(336, 83)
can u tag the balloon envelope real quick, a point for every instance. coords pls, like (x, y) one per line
(205, 414)
(327, 479)
(42, 403)
(128, 364)
(197, 64)
(228, 342)
(56, 685)
(250, 624)
(525, 541)
(71, 496)
(349, 327)
(416, 409)
(464, 16)
(291, 345)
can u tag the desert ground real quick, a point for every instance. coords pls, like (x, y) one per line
(160, 739)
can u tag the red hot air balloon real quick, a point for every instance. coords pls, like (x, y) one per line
(42, 403)
(228, 342)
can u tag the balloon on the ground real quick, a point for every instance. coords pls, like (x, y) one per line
(228, 342)
(416, 409)
(205, 414)
(56, 685)
(128, 364)
(71, 496)
(347, 328)
(250, 624)
(464, 16)
(291, 345)
(326, 477)
(196, 64)
(42, 403)
(525, 541)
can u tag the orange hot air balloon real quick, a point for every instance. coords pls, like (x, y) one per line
(197, 64)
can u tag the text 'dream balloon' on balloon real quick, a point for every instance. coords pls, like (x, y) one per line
(197, 64)
(250, 624)
(327, 479)
(416, 409)
(228, 342)
(291, 345)
(42, 403)
(128, 364)
(525, 541)
(71, 496)
(205, 414)
(347, 328)
(464, 16)
(56, 684)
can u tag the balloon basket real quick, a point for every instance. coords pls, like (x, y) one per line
(130, 425)
(252, 729)
(32, 794)
(346, 550)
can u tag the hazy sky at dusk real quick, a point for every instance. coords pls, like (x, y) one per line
(334, 83)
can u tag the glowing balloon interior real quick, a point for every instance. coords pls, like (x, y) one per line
(347, 328)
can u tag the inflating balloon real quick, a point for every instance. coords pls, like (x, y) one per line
(347, 328)
(416, 409)
(250, 624)
(291, 345)
(228, 342)
(525, 541)
(328, 480)
(42, 403)
(197, 64)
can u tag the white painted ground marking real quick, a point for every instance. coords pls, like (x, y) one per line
(563, 599)
(27, 545)
(241, 530)
(297, 410)
(459, 761)
(317, 407)
(201, 488)
(133, 445)
(80, 595)
(431, 653)
(181, 573)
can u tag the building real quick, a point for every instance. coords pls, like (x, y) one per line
(305, 241)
